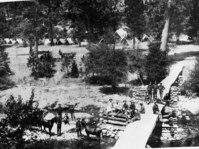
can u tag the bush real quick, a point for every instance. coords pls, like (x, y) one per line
(157, 62)
(20, 116)
(193, 83)
(5, 70)
(42, 67)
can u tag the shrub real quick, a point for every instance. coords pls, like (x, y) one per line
(43, 66)
(20, 116)
(5, 70)
(157, 62)
(193, 82)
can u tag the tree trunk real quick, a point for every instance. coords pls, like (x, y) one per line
(51, 34)
(165, 30)
(36, 38)
(134, 41)
(30, 47)
(36, 46)
(51, 27)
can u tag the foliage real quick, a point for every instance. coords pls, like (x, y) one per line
(192, 27)
(20, 116)
(193, 82)
(43, 66)
(95, 15)
(67, 61)
(156, 64)
(5, 70)
(107, 63)
(135, 16)
(74, 70)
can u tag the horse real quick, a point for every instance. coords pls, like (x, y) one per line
(48, 124)
(45, 123)
(93, 131)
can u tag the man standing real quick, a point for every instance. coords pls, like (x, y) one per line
(155, 89)
(59, 120)
(161, 89)
(79, 127)
(149, 89)
(72, 112)
(132, 107)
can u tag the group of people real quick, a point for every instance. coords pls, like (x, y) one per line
(129, 110)
(152, 92)
(64, 119)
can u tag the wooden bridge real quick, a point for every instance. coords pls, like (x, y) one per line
(137, 133)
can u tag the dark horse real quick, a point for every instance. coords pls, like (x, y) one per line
(90, 130)
(46, 123)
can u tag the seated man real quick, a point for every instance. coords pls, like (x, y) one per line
(66, 119)
(125, 107)
(155, 108)
(117, 107)
(148, 98)
(136, 117)
(142, 108)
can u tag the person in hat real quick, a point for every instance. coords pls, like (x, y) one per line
(72, 112)
(79, 127)
(136, 116)
(110, 106)
(142, 108)
(66, 119)
(124, 107)
(117, 107)
(155, 89)
(150, 89)
(148, 98)
(155, 108)
(132, 107)
(161, 89)
(59, 119)
(59, 110)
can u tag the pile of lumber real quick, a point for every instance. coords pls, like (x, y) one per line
(139, 93)
(112, 131)
(180, 81)
(113, 125)
(174, 95)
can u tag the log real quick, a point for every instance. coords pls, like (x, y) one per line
(114, 115)
(114, 119)
(114, 127)
(116, 123)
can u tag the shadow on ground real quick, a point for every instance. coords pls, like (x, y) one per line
(80, 143)
(118, 90)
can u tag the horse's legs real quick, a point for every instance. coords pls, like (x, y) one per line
(50, 130)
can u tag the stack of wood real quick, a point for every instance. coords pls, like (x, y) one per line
(180, 81)
(113, 125)
(174, 95)
(139, 93)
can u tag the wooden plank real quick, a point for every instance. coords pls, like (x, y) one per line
(116, 123)
(114, 115)
(114, 119)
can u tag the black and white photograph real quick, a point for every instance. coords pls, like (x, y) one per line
(99, 74)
